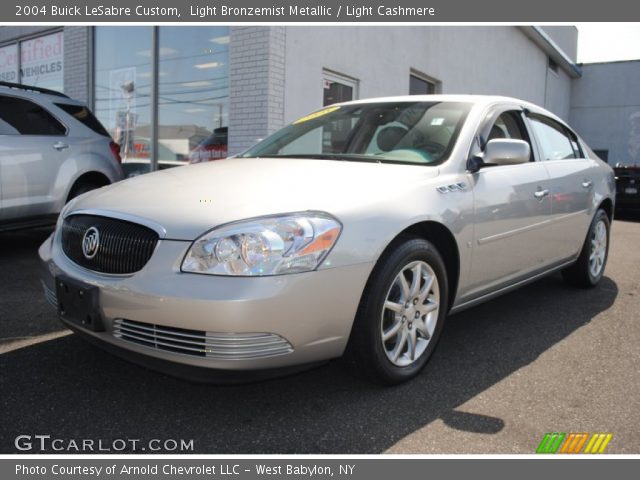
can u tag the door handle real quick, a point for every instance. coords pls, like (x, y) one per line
(60, 146)
(587, 184)
(540, 194)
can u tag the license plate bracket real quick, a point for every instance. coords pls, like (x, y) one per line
(78, 303)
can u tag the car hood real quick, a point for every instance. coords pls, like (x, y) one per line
(187, 201)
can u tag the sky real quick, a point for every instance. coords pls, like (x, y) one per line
(608, 42)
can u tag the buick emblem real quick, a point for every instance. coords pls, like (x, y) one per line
(90, 243)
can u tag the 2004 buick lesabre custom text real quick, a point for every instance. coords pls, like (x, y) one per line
(355, 230)
(95, 11)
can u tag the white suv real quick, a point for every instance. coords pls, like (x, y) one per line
(52, 149)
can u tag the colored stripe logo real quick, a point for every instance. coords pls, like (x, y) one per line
(558, 442)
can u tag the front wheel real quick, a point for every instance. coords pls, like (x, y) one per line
(401, 314)
(589, 268)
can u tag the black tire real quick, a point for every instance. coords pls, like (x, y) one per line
(81, 188)
(366, 352)
(580, 273)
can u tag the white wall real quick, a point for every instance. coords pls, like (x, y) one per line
(605, 109)
(483, 60)
(558, 99)
(566, 37)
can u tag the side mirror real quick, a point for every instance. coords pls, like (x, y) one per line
(502, 151)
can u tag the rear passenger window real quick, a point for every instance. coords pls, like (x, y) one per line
(555, 141)
(84, 116)
(23, 117)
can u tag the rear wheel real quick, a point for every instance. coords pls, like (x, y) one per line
(401, 314)
(589, 268)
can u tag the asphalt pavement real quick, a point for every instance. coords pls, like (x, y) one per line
(545, 358)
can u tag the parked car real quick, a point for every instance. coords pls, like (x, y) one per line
(627, 188)
(52, 149)
(304, 248)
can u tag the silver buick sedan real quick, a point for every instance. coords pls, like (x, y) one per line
(355, 230)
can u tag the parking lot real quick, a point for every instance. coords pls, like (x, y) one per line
(545, 358)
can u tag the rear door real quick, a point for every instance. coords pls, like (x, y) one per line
(33, 145)
(572, 184)
(512, 210)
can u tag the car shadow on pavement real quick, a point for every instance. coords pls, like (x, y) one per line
(23, 311)
(69, 389)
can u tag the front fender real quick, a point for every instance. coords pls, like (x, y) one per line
(75, 167)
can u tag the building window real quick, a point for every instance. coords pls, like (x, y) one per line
(193, 93)
(122, 91)
(421, 86)
(40, 62)
(553, 66)
(338, 88)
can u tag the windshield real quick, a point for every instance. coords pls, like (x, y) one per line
(401, 132)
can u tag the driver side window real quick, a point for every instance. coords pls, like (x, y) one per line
(509, 125)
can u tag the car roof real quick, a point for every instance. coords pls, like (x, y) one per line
(477, 100)
(25, 91)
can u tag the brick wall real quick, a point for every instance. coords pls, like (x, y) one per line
(77, 44)
(256, 84)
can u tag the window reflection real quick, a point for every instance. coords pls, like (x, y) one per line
(123, 66)
(193, 93)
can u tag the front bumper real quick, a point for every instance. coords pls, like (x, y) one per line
(313, 312)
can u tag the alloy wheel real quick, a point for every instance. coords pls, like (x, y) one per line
(598, 249)
(410, 313)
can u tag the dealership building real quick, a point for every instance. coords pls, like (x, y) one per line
(237, 84)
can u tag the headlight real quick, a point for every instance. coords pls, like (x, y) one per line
(277, 245)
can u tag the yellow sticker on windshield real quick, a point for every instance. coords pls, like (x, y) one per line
(317, 114)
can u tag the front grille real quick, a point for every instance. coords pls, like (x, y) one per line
(123, 247)
(220, 346)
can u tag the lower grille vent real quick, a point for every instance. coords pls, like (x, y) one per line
(221, 346)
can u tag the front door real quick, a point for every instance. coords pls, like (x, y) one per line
(512, 209)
